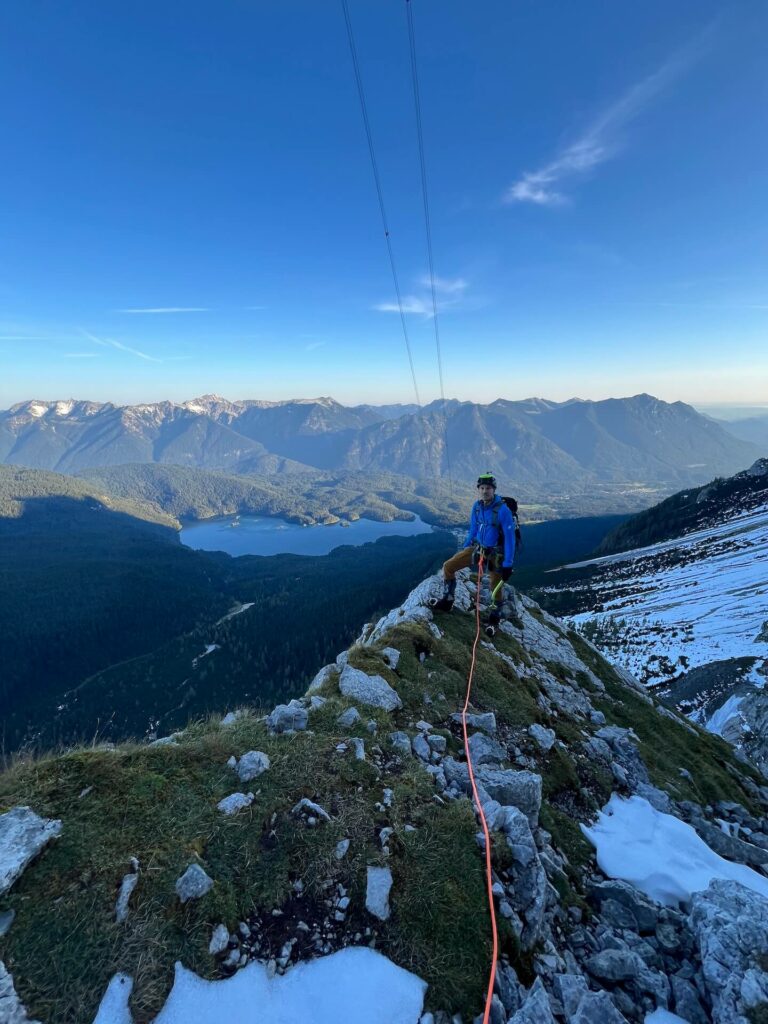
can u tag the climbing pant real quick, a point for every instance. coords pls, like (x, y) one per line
(463, 560)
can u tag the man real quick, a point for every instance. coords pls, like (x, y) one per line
(492, 535)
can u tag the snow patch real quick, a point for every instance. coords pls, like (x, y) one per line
(659, 854)
(350, 986)
(730, 710)
(236, 611)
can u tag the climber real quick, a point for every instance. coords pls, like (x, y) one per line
(492, 530)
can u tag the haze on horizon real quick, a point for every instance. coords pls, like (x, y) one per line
(190, 209)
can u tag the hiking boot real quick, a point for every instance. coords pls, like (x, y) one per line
(492, 623)
(444, 603)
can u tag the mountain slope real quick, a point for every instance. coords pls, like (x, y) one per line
(689, 613)
(539, 447)
(566, 730)
(86, 580)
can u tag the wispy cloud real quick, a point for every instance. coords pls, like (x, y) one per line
(601, 141)
(167, 309)
(446, 286)
(111, 343)
(449, 292)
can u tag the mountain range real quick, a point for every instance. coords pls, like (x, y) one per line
(537, 447)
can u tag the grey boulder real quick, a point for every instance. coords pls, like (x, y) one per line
(536, 1008)
(400, 743)
(348, 718)
(597, 1008)
(373, 691)
(484, 750)
(379, 883)
(291, 717)
(614, 965)
(730, 924)
(543, 736)
(193, 884)
(252, 765)
(23, 834)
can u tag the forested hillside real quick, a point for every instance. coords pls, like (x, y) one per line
(87, 588)
(691, 509)
(306, 498)
(84, 583)
(296, 612)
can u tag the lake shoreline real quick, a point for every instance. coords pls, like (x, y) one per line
(240, 534)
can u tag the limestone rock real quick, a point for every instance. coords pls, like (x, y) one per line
(193, 884)
(377, 892)
(322, 677)
(128, 884)
(421, 746)
(415, 608)
(730, 924)
(569, 989)
(252, 765)
(11, 1008)
(543, 736)
(486, 721)
(614, 965)
(219, 940)
(437, 744)
(484, 750)
(235, 802)
(528, 893)
(291, 717)
(597, 1008)
(348, 718)
(391, 655)
(536, 1008)
(23, 834)
(374, 691)
(642, 909)
(309, 808)
(521, 789)
(687, 1001)
(400, 743)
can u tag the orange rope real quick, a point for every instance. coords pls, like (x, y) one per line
(479, 806)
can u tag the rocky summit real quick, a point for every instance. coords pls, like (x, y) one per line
(357, 829)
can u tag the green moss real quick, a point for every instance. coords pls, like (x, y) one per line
(441, 925)
(559, 773)
(567, 837)
(666, 746)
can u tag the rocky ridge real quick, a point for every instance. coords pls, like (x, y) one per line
(356, 829)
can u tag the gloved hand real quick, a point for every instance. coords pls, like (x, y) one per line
(506, 572)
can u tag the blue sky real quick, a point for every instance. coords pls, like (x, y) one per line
(597, 179)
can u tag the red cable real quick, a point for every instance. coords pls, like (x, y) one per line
(479, 806)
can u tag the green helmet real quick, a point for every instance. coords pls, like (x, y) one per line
(486, 478)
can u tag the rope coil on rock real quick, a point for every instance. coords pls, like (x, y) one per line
(479, 806)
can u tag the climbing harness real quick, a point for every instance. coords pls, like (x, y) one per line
(478, 804)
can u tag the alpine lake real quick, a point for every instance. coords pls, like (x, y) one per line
(266, 535)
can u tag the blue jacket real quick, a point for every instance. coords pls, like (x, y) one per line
(483, 532)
